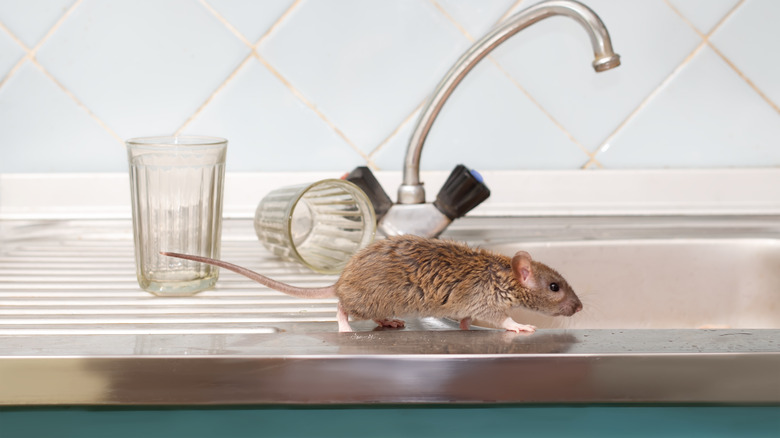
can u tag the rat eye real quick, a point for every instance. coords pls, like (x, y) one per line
(554, 287)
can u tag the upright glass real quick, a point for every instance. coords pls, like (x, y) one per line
(320, 225)
(176, 186)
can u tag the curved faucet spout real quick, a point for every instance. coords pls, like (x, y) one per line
(411, 190)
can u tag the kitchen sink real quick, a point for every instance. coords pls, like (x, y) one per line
(678, 309)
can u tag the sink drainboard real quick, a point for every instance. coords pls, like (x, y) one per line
(78, 277)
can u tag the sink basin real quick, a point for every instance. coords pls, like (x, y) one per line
(666, 283)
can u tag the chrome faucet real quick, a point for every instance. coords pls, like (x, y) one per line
(411, 215)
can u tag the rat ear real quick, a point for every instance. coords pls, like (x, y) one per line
(521, 267)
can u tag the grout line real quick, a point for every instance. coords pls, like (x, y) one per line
(730, 63)
(14, 37)
(409, 117)
(59, 84)
(19, 63)
(298, 93)
(309, 104)
(372, 164)
(30, 56)
(214, 94)
(605, 144)
(542, 109)
(398, 129)
(705, 36)
(685, 19)
(57, 25)
(277, 23)
(27, 55)
(14, 69)
(77, 101)
(227, 24)
(591, 155)
(592, 163)
(522, 89)
(30, 52)
(241, 65)
(705, 42)
(452, 20)
(745, 78)
(254, 53)
(509, 11)
(230, 77)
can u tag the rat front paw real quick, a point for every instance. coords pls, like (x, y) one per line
(513, 326)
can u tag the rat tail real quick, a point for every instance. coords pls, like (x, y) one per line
(300, 292)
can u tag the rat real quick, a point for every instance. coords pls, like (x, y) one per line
(416, 276)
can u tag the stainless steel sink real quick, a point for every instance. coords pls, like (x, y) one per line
(677, 309)
(664, 283)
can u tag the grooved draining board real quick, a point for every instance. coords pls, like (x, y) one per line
(78, 276)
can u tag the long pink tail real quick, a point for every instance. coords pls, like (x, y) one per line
(300, 292)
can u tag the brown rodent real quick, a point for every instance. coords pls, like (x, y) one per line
(416, 276)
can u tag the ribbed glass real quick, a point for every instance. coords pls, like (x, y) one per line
(320, 225)
(176, 186)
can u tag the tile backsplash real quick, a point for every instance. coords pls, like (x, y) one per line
(330, 84)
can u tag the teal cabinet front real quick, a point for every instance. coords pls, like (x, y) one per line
(382, 421)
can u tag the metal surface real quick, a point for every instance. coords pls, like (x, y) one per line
(664, 283)
(411, 190)
(75, 328)
(415, 219)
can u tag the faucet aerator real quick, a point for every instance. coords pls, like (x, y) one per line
(606, 63)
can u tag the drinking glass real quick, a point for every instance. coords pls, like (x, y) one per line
(176, 186)
(320, 225)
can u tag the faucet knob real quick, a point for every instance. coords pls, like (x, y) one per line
(463, 190)
(365, 179)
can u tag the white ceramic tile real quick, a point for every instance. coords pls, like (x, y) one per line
(30, 20)
(704, 14)
(10, 54)
(476, 17)
(43, 130)
(707, 117)
(488, 123)
(251, 18)
(552, 60)
(390, 155)
(268, 128)
(365, 64)
(751, 40)
(143, 67)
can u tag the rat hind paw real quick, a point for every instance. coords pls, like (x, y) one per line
(392, 323)
(513, 326)
(343, 319)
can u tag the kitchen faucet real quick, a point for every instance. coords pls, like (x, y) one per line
(464, 189)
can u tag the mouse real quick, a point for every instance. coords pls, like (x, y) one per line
(408, 275)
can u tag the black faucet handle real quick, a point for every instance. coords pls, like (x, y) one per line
(463, 190)
(365, 179)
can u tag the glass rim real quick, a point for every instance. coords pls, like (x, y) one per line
(351, 188)
(176, 141)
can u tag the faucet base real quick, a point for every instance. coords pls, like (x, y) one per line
(411, 194)
(418, 219)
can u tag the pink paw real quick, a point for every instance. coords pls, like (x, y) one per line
(513, 326)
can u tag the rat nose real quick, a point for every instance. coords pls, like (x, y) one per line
(578, 307)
